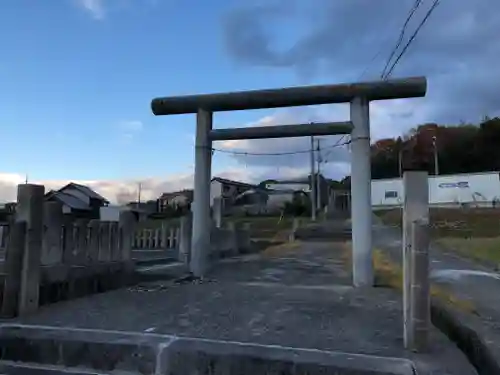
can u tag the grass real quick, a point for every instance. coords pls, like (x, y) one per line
(480, 249)
(471, 232)
(389, 274)
(454, 222)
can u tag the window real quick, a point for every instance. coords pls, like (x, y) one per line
(391, 194)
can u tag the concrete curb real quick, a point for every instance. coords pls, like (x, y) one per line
(476, 348)
(147, 353)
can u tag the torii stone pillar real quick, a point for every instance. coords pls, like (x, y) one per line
(200, 243)
(358, 94)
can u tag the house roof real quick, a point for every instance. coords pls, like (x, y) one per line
(188, 193)
(231, 182)
(303, 180)
(85, 190)
(67, 199)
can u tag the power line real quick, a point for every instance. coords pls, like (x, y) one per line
(243, 153)
(401, 35)
(428, 14)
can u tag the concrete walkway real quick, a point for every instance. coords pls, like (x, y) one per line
(296, 296)
(464, 278)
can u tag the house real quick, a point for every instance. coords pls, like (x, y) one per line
(176, 199)
(228, 190)
(301, 185)
(78, 200)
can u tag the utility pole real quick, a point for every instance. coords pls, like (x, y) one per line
(313, 183)
(318, 179)
(400, 162)
(436, 161)
(139, 194)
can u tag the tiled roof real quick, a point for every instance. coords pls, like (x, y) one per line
(68, 199)
(231, 182)
(86, 190)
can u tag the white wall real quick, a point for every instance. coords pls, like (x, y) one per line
(215, 190)
(296, 187)
(479, 189)
(110, 213)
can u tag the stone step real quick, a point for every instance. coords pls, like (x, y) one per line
(92, 351)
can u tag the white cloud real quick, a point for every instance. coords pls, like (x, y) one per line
(98, 9)
(94, 7)
(122, 191)
(129, 129)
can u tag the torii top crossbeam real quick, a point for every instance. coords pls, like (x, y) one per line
(291, 96)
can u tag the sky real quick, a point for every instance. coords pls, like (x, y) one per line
(77, 78)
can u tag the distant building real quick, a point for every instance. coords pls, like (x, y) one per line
(228, 190)
(302, 185)
(78, 200)
(468, 189)
(177, 199)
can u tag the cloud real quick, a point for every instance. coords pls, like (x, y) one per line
(98, 9)
(129, 129)
(457, 50)
(123, 191)
(93, 7)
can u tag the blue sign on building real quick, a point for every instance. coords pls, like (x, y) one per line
(460, 185)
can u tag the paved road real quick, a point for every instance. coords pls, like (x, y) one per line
(467, 280)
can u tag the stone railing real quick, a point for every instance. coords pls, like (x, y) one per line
(50, 257)
(162, 238)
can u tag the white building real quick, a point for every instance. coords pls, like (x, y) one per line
(476, 189)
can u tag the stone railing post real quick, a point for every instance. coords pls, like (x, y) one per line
(93, 252)
(15, 247)
(416, 207)
(217, 212)
(295, 226)
(186, 230)
(52, 250)
(420, 287)
(29, 209)
(127, 223)
(233, 233)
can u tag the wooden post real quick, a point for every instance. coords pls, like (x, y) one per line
(420, 286)
(29, 209)
(416, 207)
(13, 268)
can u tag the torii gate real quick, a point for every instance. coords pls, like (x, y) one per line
(358, 95)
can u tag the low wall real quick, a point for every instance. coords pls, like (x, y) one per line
(51, 257)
